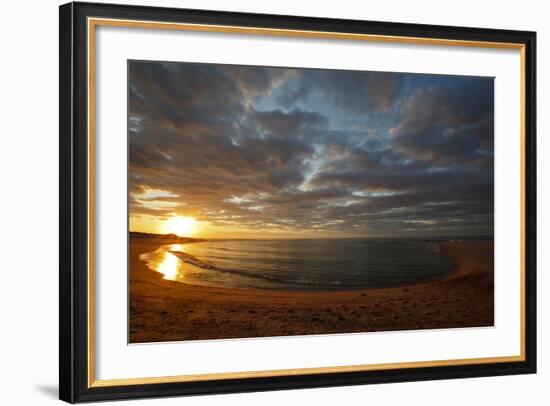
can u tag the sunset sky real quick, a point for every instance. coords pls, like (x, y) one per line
(253, 152)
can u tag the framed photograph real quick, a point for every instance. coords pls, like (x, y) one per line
(256, 202)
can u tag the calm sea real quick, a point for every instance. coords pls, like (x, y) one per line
(327, 264)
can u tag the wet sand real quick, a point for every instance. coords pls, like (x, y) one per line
(163, 310)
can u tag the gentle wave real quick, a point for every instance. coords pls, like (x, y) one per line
(300, 264)
(189, 259)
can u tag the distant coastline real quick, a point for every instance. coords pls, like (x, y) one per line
(168, 238)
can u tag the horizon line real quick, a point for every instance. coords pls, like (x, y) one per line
(438, 237)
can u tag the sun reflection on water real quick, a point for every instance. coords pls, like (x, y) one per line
(177, 247)
(168, 266)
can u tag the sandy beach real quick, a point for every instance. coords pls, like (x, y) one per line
(164, 310)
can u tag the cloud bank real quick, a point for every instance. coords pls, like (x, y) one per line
(310, 151)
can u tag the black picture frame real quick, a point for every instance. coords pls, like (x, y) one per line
(74, 385)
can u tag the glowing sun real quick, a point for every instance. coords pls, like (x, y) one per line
(181, 226)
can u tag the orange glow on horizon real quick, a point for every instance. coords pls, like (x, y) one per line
(189, 226)
(181, 226)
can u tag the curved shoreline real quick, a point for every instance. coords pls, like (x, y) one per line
(164, 310)
(299, 286)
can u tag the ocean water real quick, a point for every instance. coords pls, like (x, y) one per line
(324, 264)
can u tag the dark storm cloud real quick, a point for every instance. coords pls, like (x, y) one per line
(351, 152)
(447, 124)
(350, 90)
(285, 124)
